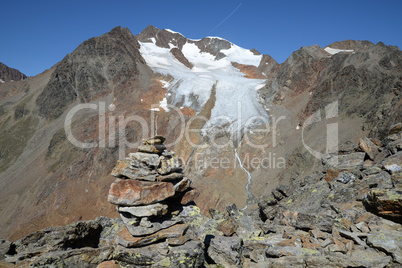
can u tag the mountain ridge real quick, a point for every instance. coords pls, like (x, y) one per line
(10, 74)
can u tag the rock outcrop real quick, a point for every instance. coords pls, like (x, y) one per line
(10, 74)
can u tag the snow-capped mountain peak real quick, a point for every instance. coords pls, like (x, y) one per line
(205, 69)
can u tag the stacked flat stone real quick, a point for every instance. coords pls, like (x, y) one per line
(149, 193)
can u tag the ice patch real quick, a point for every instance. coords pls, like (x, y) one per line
(259, 86)
(333, 51)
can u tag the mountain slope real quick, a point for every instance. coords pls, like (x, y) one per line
(161, 82)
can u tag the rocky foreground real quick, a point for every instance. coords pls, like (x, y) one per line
(348, 215)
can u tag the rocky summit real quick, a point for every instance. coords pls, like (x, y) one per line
(347, 215)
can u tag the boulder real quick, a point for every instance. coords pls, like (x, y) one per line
(346, 177)
(129, 220)
(381, 180)
(393, 163)
(146, 211)
(386, 202)
(72, 245)
(344, 162)
(182, 185)
(227, 227)
(134, 193)
(277, 252)
(152, 225)
(151, 160)
(396, 128)
(170, 177)
(397, 179)
(368, 147)
(226, 251)
(189, 196)
(157, 140)
(4, 248)
(389, 241)
(108, 264)
(125, 238)
(370, 258)
(395, 146)
(170, 164)
(152, 149)
(134, 170)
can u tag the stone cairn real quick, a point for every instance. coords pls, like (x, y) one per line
(150, 193)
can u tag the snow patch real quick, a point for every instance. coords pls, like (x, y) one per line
(1, 81)
(163, 104)
(172, 31)
(165, 84)
(242, 56)
(333, 51)
(172, 46)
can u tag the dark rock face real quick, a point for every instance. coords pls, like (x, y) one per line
(10, 74)
(164, 37)
(366, 83)
(91, 71)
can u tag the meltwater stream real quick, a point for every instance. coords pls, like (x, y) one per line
(250, 197)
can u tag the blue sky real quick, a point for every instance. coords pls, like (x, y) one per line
(35, 35)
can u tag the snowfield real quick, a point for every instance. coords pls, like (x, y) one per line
(334, 51)
(236, 102)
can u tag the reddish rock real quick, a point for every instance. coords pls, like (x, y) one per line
(170, 177)
(395, 129)
(134, 193)
(120, 166)
(154, 140)
(369, 147)
(386, 202)
(368, 163)
(189, 196)
(310, 245)
(227, 228)
(108, 264)
(182, 185)
(331, 174)
(125, 239)
(152, 149)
